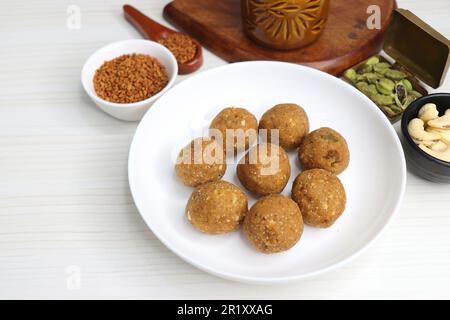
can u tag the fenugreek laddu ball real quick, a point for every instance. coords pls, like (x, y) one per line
(217, 207)
(291, 122)
(242, 128)
(320, 196)
(325, 149)
(200, 162)
(273, 224)
(264, 169)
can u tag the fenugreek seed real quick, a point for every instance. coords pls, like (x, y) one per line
(182, 47)
(130, 78)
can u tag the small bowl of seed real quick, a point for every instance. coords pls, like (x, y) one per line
(125, 78)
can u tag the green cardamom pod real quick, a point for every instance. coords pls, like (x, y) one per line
(371, 77)
(368, 90)
(351, 74)
(373, 60)
(382, 72)
(362, 85)
(371, 89)
(407, 84)
(383, 91)
(364, 68)
(387, 85)
(381, 99)
(395, 74)
(389, 111)
(381, 67)
(360, 77)
(416, 94)
(396, 108)
(380, 75)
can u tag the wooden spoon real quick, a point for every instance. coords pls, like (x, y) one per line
(152, 30)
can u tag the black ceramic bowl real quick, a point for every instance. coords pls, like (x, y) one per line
(419, 161)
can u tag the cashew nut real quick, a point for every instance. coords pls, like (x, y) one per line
(445, 134)
(442, 155)
(431, 132)
(416, 129)
(442, 122)
(438, 146)
(428, 112)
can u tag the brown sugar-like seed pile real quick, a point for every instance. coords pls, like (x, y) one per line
(181, 45)
(130, 78)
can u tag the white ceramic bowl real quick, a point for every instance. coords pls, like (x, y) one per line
(374, 181)
(127, 111)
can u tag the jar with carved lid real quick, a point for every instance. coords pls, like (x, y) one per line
(284, 24)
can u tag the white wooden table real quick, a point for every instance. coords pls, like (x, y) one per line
(68, 225)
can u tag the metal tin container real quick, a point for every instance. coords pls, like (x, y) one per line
(419, 51)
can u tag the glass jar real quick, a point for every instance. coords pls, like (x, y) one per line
(284, 24)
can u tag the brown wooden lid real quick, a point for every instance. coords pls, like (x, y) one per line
(418, 47)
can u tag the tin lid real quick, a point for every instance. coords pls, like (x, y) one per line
(418, 47)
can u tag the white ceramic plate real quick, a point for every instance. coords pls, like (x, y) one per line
(374, 181)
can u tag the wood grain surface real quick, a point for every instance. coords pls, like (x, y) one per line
(345, 41)
(65, 205)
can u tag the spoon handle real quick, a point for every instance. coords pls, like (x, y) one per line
(149, 28)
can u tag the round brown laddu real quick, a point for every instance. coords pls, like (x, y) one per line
(324, 149)
(217, 207)
(236, 119)
(264, 170)
(273, 224)
(292, 122)
(196, 163)
(320, 196)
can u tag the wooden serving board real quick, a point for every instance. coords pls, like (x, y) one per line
(216, 24)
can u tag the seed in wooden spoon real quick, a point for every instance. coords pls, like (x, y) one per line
(181, 45)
